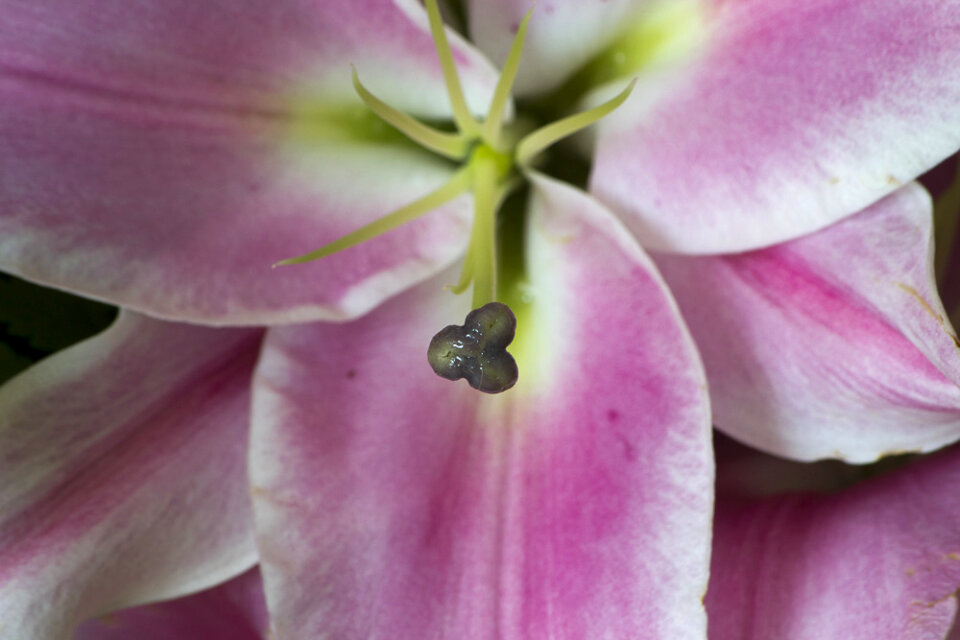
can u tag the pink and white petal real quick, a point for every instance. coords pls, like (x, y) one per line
(163, 156)
(880, 560)
(796, 115)
(833, 345)
(122, 473)
(392, 503)
(235, 610)
(563, 35)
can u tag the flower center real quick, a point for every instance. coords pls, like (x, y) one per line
(493, 160)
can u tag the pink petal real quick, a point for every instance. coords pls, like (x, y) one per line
(563, 36)
(877, 561)
(234, 610)
(797, 114)
(833, 345)
(163, 156)
(122, 473)
(392, 503)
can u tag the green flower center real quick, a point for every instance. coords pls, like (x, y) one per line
(493, 157)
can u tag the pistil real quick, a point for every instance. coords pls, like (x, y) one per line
(489, 170)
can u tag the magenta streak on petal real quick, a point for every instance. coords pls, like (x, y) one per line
(879, 560)
(801, 296)
(125, 104)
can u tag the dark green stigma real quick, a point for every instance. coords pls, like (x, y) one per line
(477, 349)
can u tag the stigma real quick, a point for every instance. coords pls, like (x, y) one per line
(477, 349)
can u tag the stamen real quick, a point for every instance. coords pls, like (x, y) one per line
(452, 145)
(458, 184)
(537, 141)
(491, 128)
(461, 114)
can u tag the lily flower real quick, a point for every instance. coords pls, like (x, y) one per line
(162, 155)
